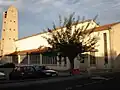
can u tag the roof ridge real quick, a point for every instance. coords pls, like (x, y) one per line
(63, 27)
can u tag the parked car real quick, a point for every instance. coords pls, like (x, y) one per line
(45, 71)
(31, 71)
(2, 76)
(23, 72)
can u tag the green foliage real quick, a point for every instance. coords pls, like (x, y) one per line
(71, 42)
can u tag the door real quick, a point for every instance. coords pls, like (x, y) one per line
(30, 72)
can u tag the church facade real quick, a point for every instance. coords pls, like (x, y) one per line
(27, 50)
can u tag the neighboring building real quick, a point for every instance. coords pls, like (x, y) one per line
(28, 50)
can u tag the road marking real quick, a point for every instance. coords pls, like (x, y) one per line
(86, 84)
(68, 88)
(92, 83)
(79, 85)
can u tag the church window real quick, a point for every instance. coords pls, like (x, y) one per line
(3, 29)
(5, 14)
(92, 58)
(14, 29)
(9, 38)
(10, 20)
(105, 48)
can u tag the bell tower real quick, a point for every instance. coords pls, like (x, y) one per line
(9, 30)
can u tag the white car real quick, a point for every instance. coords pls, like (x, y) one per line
(2, 76)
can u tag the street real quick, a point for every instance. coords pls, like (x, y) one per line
(111, 81)
(100, 82)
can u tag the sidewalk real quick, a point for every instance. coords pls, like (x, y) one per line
(91, 73)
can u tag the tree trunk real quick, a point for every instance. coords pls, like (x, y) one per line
(71, 65)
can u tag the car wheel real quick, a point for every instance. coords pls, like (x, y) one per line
(56, 75)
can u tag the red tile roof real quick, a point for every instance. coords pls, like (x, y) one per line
(29, 51)
(105, 27)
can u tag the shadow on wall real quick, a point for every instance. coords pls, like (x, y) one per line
(5, 59)
(15, 59)
(116, 59)
(90, 61)
(99, 62)
(64, 62)
(34, 59)
(24, 59)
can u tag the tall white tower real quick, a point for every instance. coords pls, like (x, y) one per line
(9, 30)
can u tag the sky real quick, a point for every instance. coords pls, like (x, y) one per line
(36, 15)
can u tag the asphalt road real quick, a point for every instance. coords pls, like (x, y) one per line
(109, 82)
(106, 82)
(27, 80)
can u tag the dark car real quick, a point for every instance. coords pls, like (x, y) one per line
(23, 72)
(31, 71)
(45, 71)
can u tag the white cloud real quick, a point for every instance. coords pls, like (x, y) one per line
(6, 3)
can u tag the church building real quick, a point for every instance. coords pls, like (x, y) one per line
(28, 50)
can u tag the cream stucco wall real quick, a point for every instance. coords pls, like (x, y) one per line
(33, 42)
(115, 45)
(100, 54)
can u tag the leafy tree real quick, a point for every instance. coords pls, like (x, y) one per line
(71, 40)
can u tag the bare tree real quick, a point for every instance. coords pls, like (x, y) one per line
(72, 42)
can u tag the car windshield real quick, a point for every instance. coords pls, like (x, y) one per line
(19, 68)
(41, 68)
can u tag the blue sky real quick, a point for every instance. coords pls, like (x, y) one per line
(36, 15)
